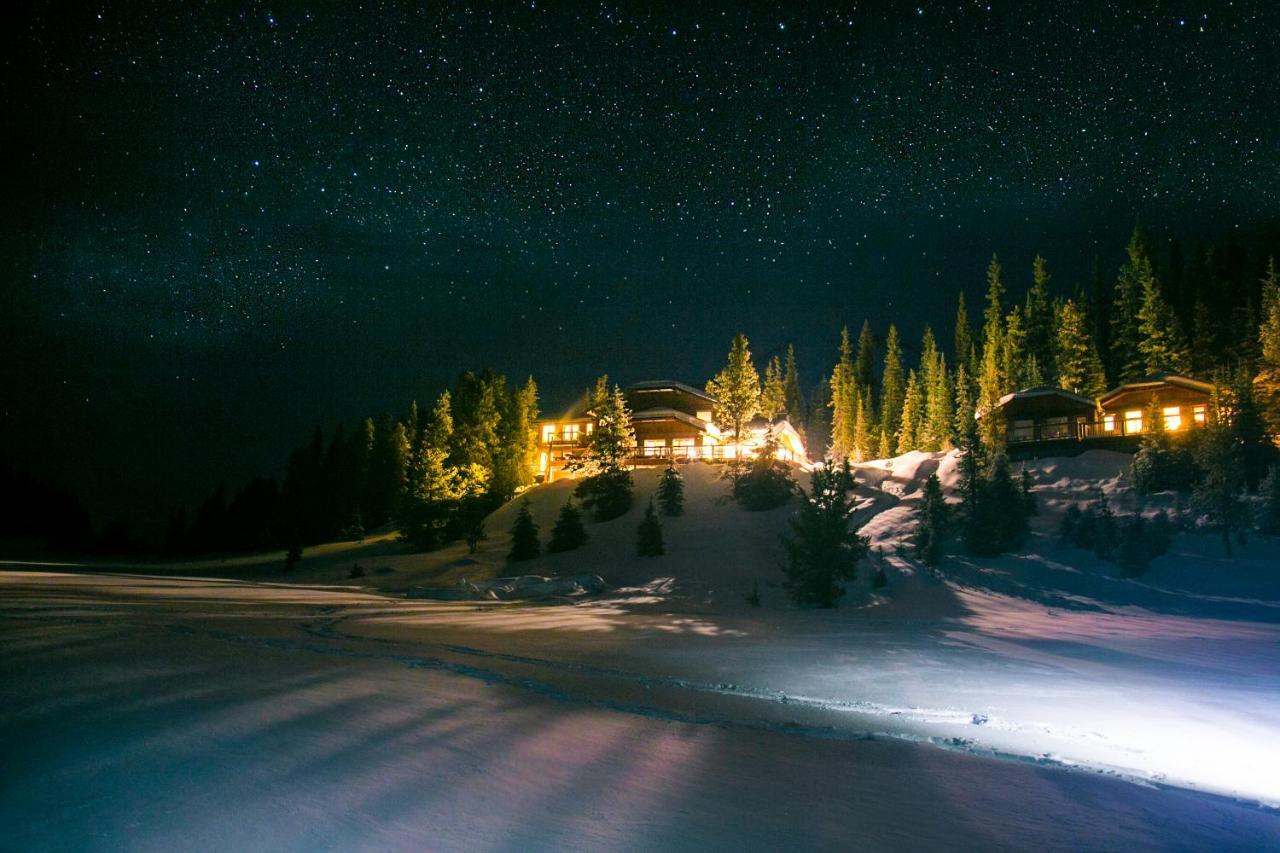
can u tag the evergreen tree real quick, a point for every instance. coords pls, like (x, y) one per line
(385, 480)
(767, 484)
(1267, 381)
(963, 416)
(935, 433)
(736, 389)
(1249, 430)
(818, 427)
(1039, 318)
(433, 485)
(990, 380)
(965, 350)
(568, 532)
(1204, 339)
(884, 448)
(671, 492)
(1079, 367)
(823, 550)
(844, 395)
(773, 395)
(1161, 342)
(892, 386)
(607, 489)
(864, 367)
(794, 399)
(862, 426)
(1127, 360)
(1269, 514)
(649, 534)
(912, 415)
(516, 457)
(933, 518)
(477, 413)
(1013, 353)
(524, 536)
(1218, 494)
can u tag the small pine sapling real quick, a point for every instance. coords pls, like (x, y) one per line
(649, 534)
(671, 492)
(524, 536)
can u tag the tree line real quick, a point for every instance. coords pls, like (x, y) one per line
(435, 475)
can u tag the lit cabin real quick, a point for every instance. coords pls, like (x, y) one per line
(1045, 414)
(561, 440)
(1179, 401)
(672, 420)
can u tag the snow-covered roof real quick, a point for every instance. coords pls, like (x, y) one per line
(669, 385)
(1045, 391)
(1155, 380)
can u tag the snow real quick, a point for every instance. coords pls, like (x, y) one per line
(1036, 700)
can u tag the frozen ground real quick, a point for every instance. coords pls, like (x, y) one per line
(1036, 701)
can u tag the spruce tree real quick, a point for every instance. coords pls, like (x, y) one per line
(990, 380)
(649, 534)
(818, 426)
(912, 415)
(864, 367)
(1079, 367)
(791, 393)
(671, 492)
(524, 536)
(773, 394)
(1013, 353)
(823, 549)
(1218, 494)
(965, 405)
(932, 521)
(892, 386)
(844, 395)
(607, 489)
(965, 351)
(1039, 318)
(884, 448)
(1127, 360)
(861, 450)
(736, 389)
(1267, 381)
(1161, 342)
(569, 532)
(1204, 339)
(937, 421)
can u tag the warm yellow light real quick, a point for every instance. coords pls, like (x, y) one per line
(542, 462)
(548, 433)
(1133, 421)
(1108, 423)
(570, 432)
(1172, 417)
(1197, 415)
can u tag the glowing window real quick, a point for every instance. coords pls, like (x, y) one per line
(590, 427)
(704, 416)
(1197, 415)
(1108, 423)
(548, 433)
(682, 442)
(1132, 421)
(570, 432)
(654, 446)
(1172, 417)
(542, 462)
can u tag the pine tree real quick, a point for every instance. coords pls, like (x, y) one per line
(1204, 339)
(844, 397)
(864, 367)
(965, 351)
(671, 492)
(892, 386)
(990, 380)
(1013, 353)
(1161, 342)
(818, 426)
(884, 449)
(933, 518)
(1128, 361)
(773, 395)
(524, 536)
(912, 415)
(823, 551)
(516, 458)
(1249, 429)
(649, 535)
(962, 416)
(1039, 318)
(1218, 493)
(607, 489)
(1079, 367)
(569, 532)
(862, 426)
(937, 421)
(736, 389)
(794, 399)
(1267, 381)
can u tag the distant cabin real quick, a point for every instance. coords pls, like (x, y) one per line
(672, 420)
(1179, 401)
(1050, 420)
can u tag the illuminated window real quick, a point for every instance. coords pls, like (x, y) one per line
(1132, 421)
(1172, 417)
(570, 432)
(1108, 423)
(590, 426)
(548, 433)
(542, 462)
(682, 447)
(1197, 415)
(655, 446)
(704, 416)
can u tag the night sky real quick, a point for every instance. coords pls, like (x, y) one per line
(226, 223)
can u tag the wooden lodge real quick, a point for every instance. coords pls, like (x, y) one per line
(671, 420)
(1179, 401)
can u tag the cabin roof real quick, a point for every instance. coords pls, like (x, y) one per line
(669, 414)
(1046, 391)
(669, 385)
(1155, 380)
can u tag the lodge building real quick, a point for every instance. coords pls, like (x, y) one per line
(671, 420)
(1048, 419)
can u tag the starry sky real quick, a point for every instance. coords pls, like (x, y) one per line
(228, 222)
